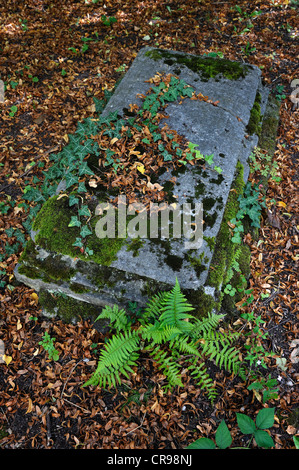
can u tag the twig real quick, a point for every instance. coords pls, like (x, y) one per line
(77, 406)
(62, 392)
(132, 430)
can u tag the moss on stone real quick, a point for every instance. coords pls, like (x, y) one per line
(267, 139)
(224, 248)
(67, 308)
(54, 233)
(254, 124)
(134, 245)
(50, 268)
(206, 67)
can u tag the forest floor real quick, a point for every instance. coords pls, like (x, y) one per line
(51, 77)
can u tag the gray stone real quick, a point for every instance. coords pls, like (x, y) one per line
(221, 130)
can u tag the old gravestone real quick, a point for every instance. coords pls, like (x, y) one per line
(72, 285)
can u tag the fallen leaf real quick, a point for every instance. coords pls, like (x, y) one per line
(273, 218)
(7, 359)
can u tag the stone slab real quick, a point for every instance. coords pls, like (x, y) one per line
(220, 130)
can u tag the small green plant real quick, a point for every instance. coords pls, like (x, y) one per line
(23, 24)
(248, 49)
(280, 95)
(261, 162)
(34, 79)
(251, 206)
(48, 344)
(265, 389)
(255, 351)
(169, 334)
(108, 21)
(256, 429)
(13, 110)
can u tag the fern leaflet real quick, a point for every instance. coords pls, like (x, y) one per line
(174, 310)
(117, 358)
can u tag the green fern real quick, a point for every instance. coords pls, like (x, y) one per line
(199, 373)
(153, 307)
(117, 358)
(118, 318)
(216, 346)
(175, 308)
(170, 334)
(169, 367)
(203, 325)
(157, 334)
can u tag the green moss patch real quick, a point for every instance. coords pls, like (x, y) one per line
(225, 249)
(68, 309)
(206, 67)
(254, 124)
(54, 233)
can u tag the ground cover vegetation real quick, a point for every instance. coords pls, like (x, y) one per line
(59, 64)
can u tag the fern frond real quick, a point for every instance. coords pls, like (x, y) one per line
(219, 351)
(175, 308)
(205, 324)
(169, 367)
(118, 317)
(117, 358)
(157, 334)
(153, 307)
(184, 345)
(204, 381)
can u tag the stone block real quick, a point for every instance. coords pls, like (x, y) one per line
(122, 270)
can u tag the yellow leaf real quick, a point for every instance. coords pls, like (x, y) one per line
(19, 325)
(34, 297)
(281, 204)
(141, 168)
(66, 137)
(7, 359)
(115, 139)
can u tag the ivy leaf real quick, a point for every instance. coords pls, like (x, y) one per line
(82, 188)
(209, 159)
(9, 232)
(88, 251)
(85, 231)
(85, 170)
(84, 211)
(70, 180)
(78, 242)
(218, 169)
(75, 222)
(73, 200)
